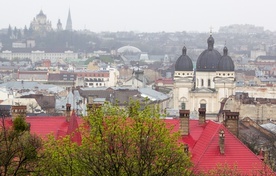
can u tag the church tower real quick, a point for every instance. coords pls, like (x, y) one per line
(69, 22)
(59, 25)
(205, 86)
(183, 81)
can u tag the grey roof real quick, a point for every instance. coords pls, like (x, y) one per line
(71, 98)
(208, 60)
(226, 63)
(19, 85)
(93, 88)
(153, 94)
(184, 62)
(270, 127)
(266, 57)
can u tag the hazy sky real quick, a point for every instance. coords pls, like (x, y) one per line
(142, 15)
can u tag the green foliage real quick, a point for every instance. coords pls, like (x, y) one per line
(106, 59)
(89, 60)
(18, 150)
(20, 125)
(119, 141)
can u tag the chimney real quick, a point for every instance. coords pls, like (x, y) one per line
(186, 148)
(17, 111)
(221, 141)
(231, 121)
(201, 116)
(184, 121)
(68, 111)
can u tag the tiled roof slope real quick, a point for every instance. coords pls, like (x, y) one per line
(56, 125)
(203, 142)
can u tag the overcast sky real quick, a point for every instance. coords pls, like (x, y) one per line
(142, 15)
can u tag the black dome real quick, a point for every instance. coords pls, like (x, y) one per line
(226, 63)
(184, 63)
(208, 60)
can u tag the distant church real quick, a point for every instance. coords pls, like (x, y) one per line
(208, 84)
(41, 24)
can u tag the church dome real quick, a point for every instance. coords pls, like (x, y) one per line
(41, 14)
(226, 63)
(184, 63)
(208, 60)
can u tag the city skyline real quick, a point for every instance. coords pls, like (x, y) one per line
(141, 16)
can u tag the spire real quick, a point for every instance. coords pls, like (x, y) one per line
(69, 22)
(184, 50)
(225, 51)
(210, 42)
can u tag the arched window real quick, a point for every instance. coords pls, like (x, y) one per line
(183, 106)
(203, 104)
(202, 82)
(209, 82)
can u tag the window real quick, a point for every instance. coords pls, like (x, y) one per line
(202, 82)
(183, 105)
(202, 105)
(209, 82)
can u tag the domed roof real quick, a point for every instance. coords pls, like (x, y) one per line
(129, 49)
(208, 60)
(184, 63)
(226, 63)
(41, 14)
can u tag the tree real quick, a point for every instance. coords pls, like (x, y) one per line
(224, 169)
(115, 143)
(9, 31)
(18, 149)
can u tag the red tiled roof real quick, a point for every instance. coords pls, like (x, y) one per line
(203, 142)
(73, 129)
(56, 125)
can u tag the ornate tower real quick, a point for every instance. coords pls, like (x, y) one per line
(69, 22)
(59, 25)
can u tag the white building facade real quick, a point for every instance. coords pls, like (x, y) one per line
(39, 55)
(208, 84)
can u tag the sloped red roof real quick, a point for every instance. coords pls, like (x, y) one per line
(203, 142)
(56, 125)
(73, 129)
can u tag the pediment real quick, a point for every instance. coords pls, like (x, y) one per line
(204, 90)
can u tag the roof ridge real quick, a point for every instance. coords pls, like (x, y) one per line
(219, 125)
